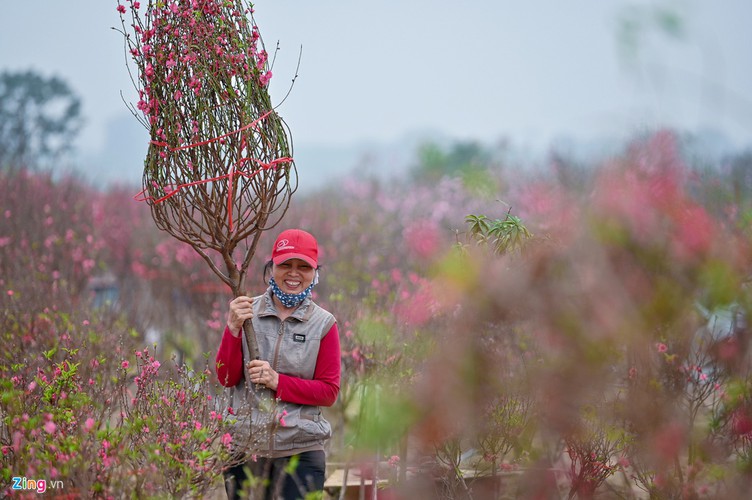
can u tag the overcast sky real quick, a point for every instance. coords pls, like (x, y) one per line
(481, 69)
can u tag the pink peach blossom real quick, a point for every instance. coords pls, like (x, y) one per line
(50, 427)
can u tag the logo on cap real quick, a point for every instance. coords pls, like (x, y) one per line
(284, 245)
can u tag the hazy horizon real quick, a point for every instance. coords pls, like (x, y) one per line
(374, 75)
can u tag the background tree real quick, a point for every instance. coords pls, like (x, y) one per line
(434, 162)
(471, 161)
(39, 119)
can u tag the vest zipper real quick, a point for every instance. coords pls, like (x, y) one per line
(276, 347)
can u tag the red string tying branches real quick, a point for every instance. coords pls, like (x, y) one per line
(170, 191)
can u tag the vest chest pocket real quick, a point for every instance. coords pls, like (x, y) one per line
(297, 354)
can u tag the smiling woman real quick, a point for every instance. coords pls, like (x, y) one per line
(280, 431)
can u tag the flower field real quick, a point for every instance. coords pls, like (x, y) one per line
(557, 332)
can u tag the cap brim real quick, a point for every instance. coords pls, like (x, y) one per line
(284, 258)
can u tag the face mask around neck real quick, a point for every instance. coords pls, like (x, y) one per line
(289, 299)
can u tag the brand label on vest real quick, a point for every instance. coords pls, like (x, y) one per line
(298, 337)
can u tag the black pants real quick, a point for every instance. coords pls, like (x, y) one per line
(308, 476)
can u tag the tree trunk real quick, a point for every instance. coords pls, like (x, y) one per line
(250, 338)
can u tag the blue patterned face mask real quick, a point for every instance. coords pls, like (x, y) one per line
(290, 299)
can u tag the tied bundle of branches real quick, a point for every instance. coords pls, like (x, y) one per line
(219, 168)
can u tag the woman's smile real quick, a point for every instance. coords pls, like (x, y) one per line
(293, 275)
(293, 285)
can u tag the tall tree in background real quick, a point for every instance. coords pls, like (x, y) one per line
(39, 118)
(435, 162)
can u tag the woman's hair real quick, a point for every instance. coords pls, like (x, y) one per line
(267, 271)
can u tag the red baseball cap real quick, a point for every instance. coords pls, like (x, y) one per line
(296, 244)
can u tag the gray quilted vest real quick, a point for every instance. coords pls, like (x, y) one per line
(291, 347)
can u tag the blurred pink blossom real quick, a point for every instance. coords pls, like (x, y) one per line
(50, 427)
(423, 239)
(226, 439)
(669, 441)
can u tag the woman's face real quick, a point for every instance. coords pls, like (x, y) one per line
(293, 275)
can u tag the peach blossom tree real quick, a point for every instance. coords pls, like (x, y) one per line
(219, 169)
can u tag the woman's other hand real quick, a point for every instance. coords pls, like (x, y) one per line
(260, 372)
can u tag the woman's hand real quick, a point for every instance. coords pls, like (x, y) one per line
(241, 309)
(260, 372)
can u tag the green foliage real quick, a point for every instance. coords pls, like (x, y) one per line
(501, 235)
(637, 23)
(76, 410)
(39, 119)
(385, 414)
(469, 161)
